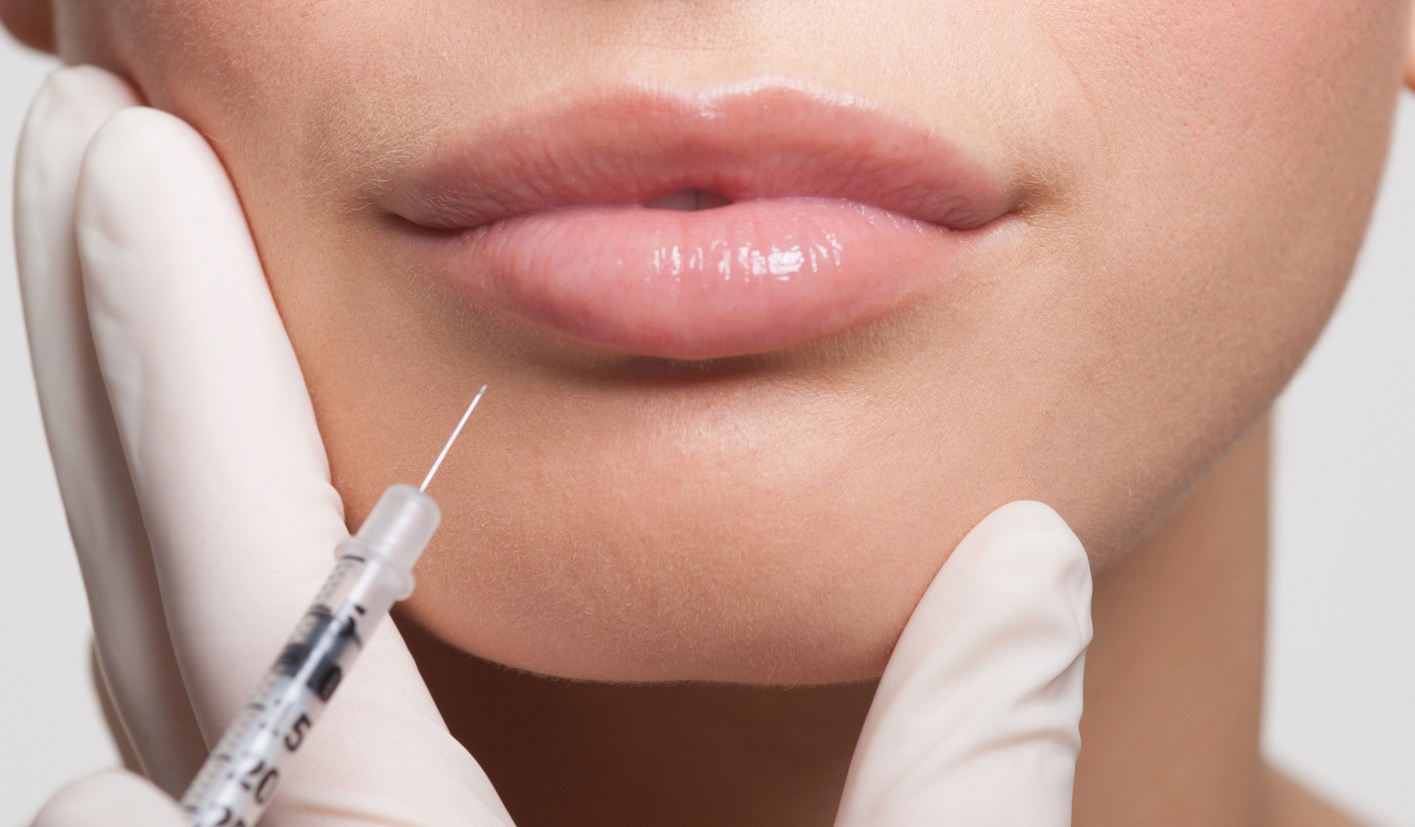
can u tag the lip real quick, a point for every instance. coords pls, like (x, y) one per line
(841, 213)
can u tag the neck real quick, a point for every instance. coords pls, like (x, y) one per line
(1174, 675)
(1173, 682)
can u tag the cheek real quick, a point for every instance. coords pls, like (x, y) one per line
(1256, 130)
(1231, 159)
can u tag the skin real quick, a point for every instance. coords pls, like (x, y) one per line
(1170, 731)
(1196, 181)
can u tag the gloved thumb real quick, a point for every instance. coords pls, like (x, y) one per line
(976, 719)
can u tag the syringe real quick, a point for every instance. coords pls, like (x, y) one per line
(373, 572)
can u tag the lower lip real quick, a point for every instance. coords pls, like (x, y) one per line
(749, 277)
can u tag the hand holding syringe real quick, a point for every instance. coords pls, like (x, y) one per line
(207, 475)
(374, 570)
(195, 479)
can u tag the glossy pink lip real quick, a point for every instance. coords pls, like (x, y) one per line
(840, 213)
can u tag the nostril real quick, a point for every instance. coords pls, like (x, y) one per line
(688, 201)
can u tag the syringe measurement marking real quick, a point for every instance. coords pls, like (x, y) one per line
(255, 777)
(313, 664)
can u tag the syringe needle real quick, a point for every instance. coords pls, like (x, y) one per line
(455, 431)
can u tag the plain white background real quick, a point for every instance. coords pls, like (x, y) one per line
(1341, 658)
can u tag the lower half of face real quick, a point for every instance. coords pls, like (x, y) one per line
(1189, 185)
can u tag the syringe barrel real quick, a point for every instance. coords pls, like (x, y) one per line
(374, 571)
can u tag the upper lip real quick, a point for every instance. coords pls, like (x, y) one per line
(625, 146)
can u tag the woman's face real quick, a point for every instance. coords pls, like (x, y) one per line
(1186, 186)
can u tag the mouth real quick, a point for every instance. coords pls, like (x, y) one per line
(696, 227)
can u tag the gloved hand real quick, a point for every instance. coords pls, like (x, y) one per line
(194, 478)
(199, 501)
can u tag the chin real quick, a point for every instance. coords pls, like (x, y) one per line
(795, 577)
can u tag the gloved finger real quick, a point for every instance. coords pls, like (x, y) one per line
(110, 799)
(111, 543)
(215, 421)
(976, 719)
(222, 446)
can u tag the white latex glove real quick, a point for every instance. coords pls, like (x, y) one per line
(976, 722)
(199, 501)
(194, 478)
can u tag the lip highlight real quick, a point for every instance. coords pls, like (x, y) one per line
(820, 215)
